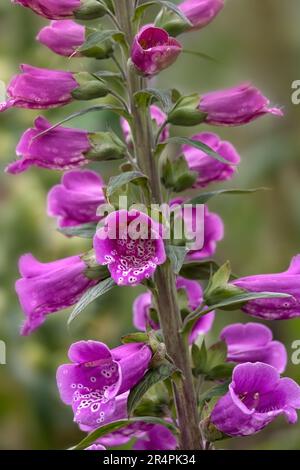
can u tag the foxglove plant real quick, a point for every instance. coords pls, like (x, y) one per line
(108, 389)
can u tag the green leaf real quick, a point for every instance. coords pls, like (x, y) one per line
(176, 255)
(167, 98)
(92, 294)
(152, 377)
(117, 425)
(135, 338)
(200, 270)
(221, 371)
(140, 10)
(116, 183)
(199, 145)
(217, 391)
(216, 355)
(201, 55)
(231, 303)
(199, 356)
(81, 231)
(175, 10)
(96, 38)
(104, 107)
(204, 197)
(176, 175)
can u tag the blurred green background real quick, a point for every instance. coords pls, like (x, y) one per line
(255, 40)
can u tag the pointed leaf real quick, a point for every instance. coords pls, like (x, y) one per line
(82, 231)
(92, 294)
(121, 424)
(204, 197)
(152, 377)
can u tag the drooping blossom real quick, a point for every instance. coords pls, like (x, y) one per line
(37, 88)
(131, 245)
(256, 396)
(97, 376)
(142, 305)
(253, 342)
(75, 200)
(209, 169)
(287, 282)
(157, 115)
(235, 106)
(153, 50)
(46, 288)
(63, 37)
(51, 9)
(204, 226)
(201, 12)
(60, 148)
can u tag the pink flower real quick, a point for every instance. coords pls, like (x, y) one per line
(201, 12)
(208, 168)
(235, 106)
(38, 88)
(75, 200)
(63, 37)
(49, 287)
(98, 377)
(53, 9)
(153, 50)
(61, 148)
(130, 245)
(253, 342)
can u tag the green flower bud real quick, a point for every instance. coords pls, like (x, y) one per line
(105, 146)
(89, 87)
(186, 112)
(89, 10)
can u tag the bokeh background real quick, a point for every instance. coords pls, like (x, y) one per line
(255, 40)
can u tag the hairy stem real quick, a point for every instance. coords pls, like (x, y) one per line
(166, 298)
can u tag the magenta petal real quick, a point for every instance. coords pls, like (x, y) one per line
(76, 199)
(37, 88)
(61, 148)
(51, 9)
(235, 106)
(130, 245)
(154, 50)
(201, 12)
(208, 168)
(63, 37)
(49, 287)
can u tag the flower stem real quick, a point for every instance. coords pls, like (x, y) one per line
(166, 298)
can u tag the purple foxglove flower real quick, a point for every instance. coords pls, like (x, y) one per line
(153, 50)
(131, 246)
(157, 438)
(97, 376)
(256, 396)
(38, 88)
(201, 12)
(287, 282)
(63, 37)
(157, 115)
(253, 342)
(75, 200)
(141, 309)
(49, 287)
(61, 148)
(235, 106)
(51, 9)
(208, 168)
(213, 231)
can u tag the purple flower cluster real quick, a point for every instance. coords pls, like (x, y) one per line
(130, 244)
